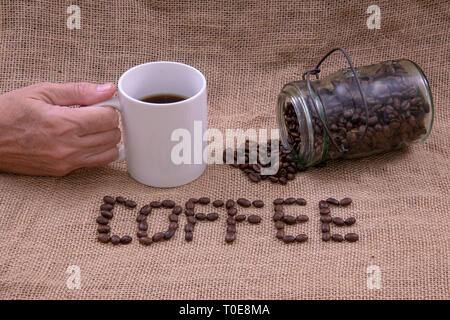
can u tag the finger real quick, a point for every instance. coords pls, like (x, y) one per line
(108, 139)
(102, 158)
(91, 120)
(82, 93)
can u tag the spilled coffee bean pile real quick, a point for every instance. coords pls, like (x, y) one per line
(280, 219)
(396, 114)
(287, 169)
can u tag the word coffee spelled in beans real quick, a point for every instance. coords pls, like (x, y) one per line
(280, 219)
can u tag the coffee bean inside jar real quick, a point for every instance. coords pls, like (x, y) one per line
(331, 120)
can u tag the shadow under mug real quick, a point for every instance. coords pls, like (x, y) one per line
(150, 127)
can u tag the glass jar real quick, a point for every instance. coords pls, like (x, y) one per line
(331, 121)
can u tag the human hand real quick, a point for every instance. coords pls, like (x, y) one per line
(40, 135)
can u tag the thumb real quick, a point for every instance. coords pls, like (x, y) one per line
(82, 93)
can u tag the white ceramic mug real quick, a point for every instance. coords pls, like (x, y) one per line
(149, 126)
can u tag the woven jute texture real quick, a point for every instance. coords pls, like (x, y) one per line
(247, 50)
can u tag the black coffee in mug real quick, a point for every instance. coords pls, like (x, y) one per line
(163, 98)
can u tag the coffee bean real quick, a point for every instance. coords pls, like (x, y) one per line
(109, 200)
(191, 220)
(115, 239)
(232, 211)
(200, 216)
(278, 216)
(106, 207)
(188, 236)
(218, 203)
(193, 200)
(244, 202)
(326, 236)
(278, 201)
(279, 225)
(173, 218)
(102, 220)
(301, 237)
(278, 208)
(338, 221)
(126, 240)
(177, 210)
(323, 204)
(254, 219)
(301, 202)
(288, 239)
(146, 241)
(280, 234)
(240, 218)
(141, 234)
(337, 237)
(103, 229)
(288, 219)
(230, 237)
(143, 226)
(212, 216)
(145, 210)
(173, 225)
(231, 221)
(325, 227)
(168, 204)
(158, 236)
(256, 168)
(324, 211)
(189, 205)
(120, 200)
(302, 218)
(325, 219)
(229, 204)
(289, 201)
(231, 229)
(345, 202)
(258, 203)
(169, 234)
(204, 200)
(188, 212)
(155, 204)
(141, 218)
(107, 214)
(350, 221)
(254, 177)
(103, 238)
(333, 201)
(351, 237)
(189, 228)
(130, 204)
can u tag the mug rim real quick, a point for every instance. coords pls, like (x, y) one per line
(121, 79)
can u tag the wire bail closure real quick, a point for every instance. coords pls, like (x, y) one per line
(315, 72)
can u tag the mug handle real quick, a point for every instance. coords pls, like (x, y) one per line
(113, 102)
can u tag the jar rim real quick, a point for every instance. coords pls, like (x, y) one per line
(292, 92)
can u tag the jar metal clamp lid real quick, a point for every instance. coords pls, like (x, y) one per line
(322, 115)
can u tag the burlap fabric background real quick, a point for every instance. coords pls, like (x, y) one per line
(248, 50)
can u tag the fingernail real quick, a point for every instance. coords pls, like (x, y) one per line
(104, 87)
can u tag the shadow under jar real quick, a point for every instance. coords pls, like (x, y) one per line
(400, 112)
